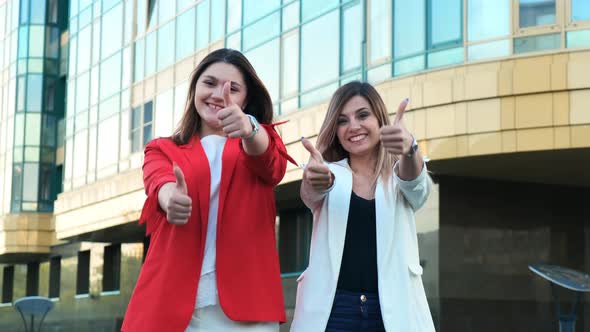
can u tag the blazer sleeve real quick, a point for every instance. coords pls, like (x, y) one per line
(415, 191)
(271, 165)
(157, 170)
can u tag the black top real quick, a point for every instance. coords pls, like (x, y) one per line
(358, 271)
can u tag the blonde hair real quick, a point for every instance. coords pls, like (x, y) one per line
(327, 142)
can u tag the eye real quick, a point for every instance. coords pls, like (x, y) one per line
(364, 115)
(208, 83)
(235, 90)
(341, 121)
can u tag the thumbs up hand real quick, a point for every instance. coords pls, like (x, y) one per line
(395, 138)
(233, 120)
(179, 204)
(316, 173)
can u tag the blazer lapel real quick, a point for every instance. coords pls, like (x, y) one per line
(231, 152)
(202, 183)
(385, 221)
(339, 203)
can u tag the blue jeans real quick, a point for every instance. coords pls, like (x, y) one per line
(355, 312)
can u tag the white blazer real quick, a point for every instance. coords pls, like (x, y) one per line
(401, 293)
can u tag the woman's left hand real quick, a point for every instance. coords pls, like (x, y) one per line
(233, 120)
(395, 138)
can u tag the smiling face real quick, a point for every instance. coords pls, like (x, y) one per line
(209, 95)
(357, 128)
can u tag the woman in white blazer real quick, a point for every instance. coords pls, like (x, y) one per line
(363, 183)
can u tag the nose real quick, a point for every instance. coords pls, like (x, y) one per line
(218, 92)
(354, 124)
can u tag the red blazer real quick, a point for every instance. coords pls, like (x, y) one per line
(248, 274)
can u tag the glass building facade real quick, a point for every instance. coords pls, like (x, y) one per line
(86, 84)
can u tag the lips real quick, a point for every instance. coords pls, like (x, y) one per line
(214, 107)
(357, 138)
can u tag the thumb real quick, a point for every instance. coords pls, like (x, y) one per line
(180, 182)
(315, 154)
(400, 111)
(226, 97)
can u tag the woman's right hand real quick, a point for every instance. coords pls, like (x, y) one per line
(316, 173)
(174, 199)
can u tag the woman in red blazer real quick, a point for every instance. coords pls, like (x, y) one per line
(212, 263)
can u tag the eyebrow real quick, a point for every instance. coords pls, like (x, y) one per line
(233, 83)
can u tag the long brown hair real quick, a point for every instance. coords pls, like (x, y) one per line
(258, 102)
(328, 143)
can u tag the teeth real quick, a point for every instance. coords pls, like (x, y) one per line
(357, 138)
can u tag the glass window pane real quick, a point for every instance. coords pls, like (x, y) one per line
(312, 8)
(23, 42)
(578, 38)
(30, 182)
(128, 17)
(136, 141)
(255, 9)
(92, 148)
(84, 47)
(125, 135)
(82, 92)
(320, 67)
(408, 65)
(21, 94)
(493, 49)
(379, 30)
(488, 19)
(34, 93)
(164, 114)
(445, 58)
(19, 129)
(291, 16)
(108, 152)
(136, 118)
(49, 131)
(352, 37)
(147, 134)
(24, 11)
(218, 19)
(32, 153)
(37, 11)
(150, 54)
(81, 147)
(109, 107)
(96, 42)
(126, 77)
(185, 43)
(36, 41)
(166, 9)
(33, 129)
(108, 4)
(409, 41)
(537, 43)
(290, 61)
(202, 24)
(147, 112)
(94, 85)
(110, 76)
(112, 23)
(52, 43)
(166, 45)
(580, 10)
(445, 25)
(234, 15)
(141, 16)
(139, 48)
(262, 30)
(266, 61)
(52, 11)
(182, 4)
(536, 12)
